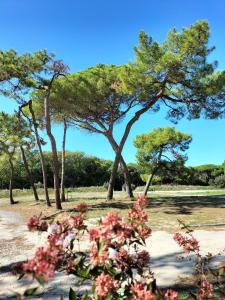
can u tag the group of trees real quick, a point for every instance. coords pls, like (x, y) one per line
(175, 74)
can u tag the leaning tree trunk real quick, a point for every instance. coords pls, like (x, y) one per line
(29, 173)
(11, 182)
(55, 162)
(148, 183)
(126, 173)
(62, 189)
(150, 177)
(44, 173)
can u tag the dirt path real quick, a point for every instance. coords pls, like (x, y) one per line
(17, 244)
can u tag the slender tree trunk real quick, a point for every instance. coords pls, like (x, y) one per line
(44, 173)
(150, 178)
(55, 162)
(62, 190)
(148, 183)
(11, 182)
(29, 173)
(112, 178)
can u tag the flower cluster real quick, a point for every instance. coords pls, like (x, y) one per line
(36, 224)
(187, 244)
(47, 259)
(117, 263)
(171, 295)
(206, 290)
(105, 285)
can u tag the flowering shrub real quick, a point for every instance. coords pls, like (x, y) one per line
(117, 263)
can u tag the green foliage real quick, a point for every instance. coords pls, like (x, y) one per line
(19, 73)
(160, 145)
(219, 181)
(178, 73)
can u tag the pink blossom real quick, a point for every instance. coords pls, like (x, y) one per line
(35, 223)
(111, 220)
(82, 207)
(188, 244)
(143, 258)
(171, 295)
(98, 258)
(205, 290)
(104, 285)
(94, 234)
(78, 222)
(141, 293)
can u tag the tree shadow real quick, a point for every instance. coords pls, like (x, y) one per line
(173, 205)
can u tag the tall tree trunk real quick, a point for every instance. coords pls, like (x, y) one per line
(44, 173)
(62, 190)
(29, 173)
(11, 182)
(126, 173)
(55, 162)
(113, 178)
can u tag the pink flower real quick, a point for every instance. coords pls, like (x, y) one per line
(98, 258)
(111, 220)
(141, 293)
(205, 290)
(35, 223)
(78, 222)
(145, 232)
(94, 234)
(43, 264)
(141, 201)
(104, 285)
(82, 208)
(188, 244)
(143, 258)
(171, 295)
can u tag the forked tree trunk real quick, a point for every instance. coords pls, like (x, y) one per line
(55, 162)
(118, 158)
(62, 189)
(29, 173)
(127, 178)
(43, 168)
(11, 182)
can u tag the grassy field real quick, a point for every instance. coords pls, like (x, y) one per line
(202, 208)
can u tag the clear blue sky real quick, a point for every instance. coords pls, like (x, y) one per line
(86, 32)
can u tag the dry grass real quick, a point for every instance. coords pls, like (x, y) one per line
(199, 208)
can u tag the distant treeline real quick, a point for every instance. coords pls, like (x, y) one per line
(83, 170)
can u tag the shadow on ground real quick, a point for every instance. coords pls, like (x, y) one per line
(175, 204)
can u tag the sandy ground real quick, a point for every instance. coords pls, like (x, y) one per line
(17, 244)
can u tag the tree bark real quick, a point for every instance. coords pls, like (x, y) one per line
(150, 178)
(44, 173)
(126, 173)
(55, 162)
(62, 189)
(112, 178)
(11, 182)
(127, 178)
(29, 173)
(149, 181)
